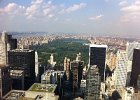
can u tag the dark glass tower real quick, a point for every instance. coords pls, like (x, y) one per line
(135, 68)
(5, 81)
(23, 60)
(97, 56)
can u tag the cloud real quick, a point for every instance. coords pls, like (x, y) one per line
(46, 11)
(39, 9)
(31, 11)
(123, 3)
(12, 9)
(72, 8)
(131, 13)
(50, 15)
(96, 17)
(49, 2)
(37, 2)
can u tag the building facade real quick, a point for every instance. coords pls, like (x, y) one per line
(51, 76)
(97, 56)
(77, 70)
(5, 81)
(23, 60)
(135, 68)
(93, 84)
(6, 43)
(121, 70)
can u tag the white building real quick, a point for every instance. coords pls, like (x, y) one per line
(36, 66)
(3, 48)
(6, 43)
(120, 71)
(51, 61)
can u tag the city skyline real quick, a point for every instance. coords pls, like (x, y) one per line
(99, 17)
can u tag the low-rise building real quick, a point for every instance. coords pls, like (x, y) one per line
(51, 76)
(36, 92)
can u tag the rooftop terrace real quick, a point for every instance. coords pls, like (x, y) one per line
(38, 87)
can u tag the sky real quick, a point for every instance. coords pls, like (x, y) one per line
(99, 17)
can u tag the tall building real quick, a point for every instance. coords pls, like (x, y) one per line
(23, 60)
(121, 69)
(66, 64)
(12, 42)
(6, 43)
(130, 49)
(5, 81)
(93, 84)
(77, 70)
(135, 68)
(130, 46)
(97, 56)
(67, 67)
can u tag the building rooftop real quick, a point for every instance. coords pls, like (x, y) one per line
(97, 45)
(94, 69)
(32, 95)
(49, 72)
(38, 87)
(29, 95)
(14, 95)
(21, 50)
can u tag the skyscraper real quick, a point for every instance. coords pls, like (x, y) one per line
(23, 60)
(67, 67)
(97, 56)
(120, 71)
(135, 68)
(93, 84)
(77, 70)
(6, 43)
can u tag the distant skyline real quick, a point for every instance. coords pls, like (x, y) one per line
(99, 17)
